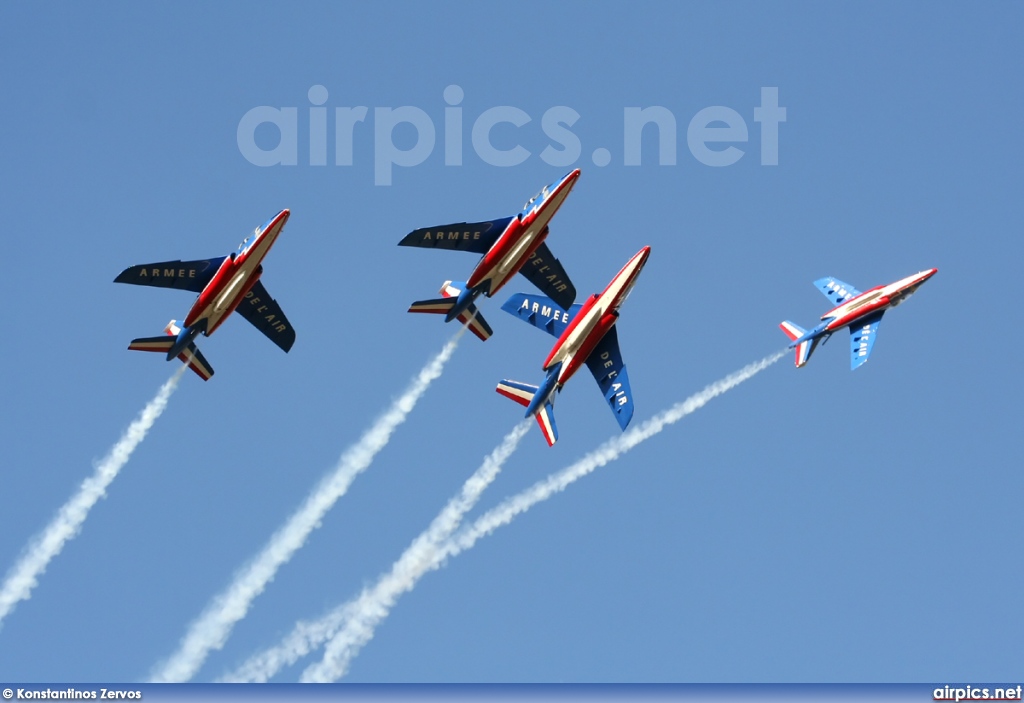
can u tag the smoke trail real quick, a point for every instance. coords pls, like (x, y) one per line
(24, 576)
(211, 629)
(361, 615)
(340, 651)
(609, 451)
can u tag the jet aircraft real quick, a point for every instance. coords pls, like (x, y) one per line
(861, 312)
(586, 334)
(508, 244)
(224, 284)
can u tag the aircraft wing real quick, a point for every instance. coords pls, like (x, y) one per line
(182, 275)
(477, 237)
(545, 271)
(835, 290)
(605, 362)
(862, 339)
(543, 313)
(265, 314)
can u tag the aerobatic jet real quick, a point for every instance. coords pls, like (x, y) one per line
(508, 244)
(586, 334)
(861, 312)
(224, 284)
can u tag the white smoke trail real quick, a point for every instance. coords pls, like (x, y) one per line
(24, 575)
(361, 615)
(340, 652)
(609, 451)
(212, 628)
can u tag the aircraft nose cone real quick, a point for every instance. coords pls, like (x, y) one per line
(636, 262)
(570, 179)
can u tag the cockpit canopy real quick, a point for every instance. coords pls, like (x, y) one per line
(539, 196)
(248, 241)
(251, 239)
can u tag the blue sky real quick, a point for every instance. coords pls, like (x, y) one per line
(811, 525)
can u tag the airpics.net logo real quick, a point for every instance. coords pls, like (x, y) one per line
(715, 135)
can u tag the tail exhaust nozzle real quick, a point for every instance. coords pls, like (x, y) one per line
(525, 395)
(804, 348)
(170, 343)
(457, 304)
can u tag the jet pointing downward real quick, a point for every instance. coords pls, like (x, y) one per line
(224, 284)
(861, 312)
(508, 245)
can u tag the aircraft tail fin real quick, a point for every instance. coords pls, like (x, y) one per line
(196, 361)
(451, 289)
(805, 348)
(546, 419)
(160, 344)
(470, 317)
(523, 393)
(434, 306)
(163, 344)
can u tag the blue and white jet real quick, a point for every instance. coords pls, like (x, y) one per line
(586, 335)
(861, 312)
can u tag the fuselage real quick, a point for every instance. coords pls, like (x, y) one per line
(593, 321)
(875, 300)
(521, 237)
(236, 275)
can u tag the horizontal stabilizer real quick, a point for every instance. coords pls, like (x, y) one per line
(792, 330)
(182, 275)
(476, 237)
(546, 420)
(524, 393)
(470, 317)
(805, 348)
(435, 306)
(190, 356)
(197, 362)
(541, 312)
(521, 393)
(160, 344)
